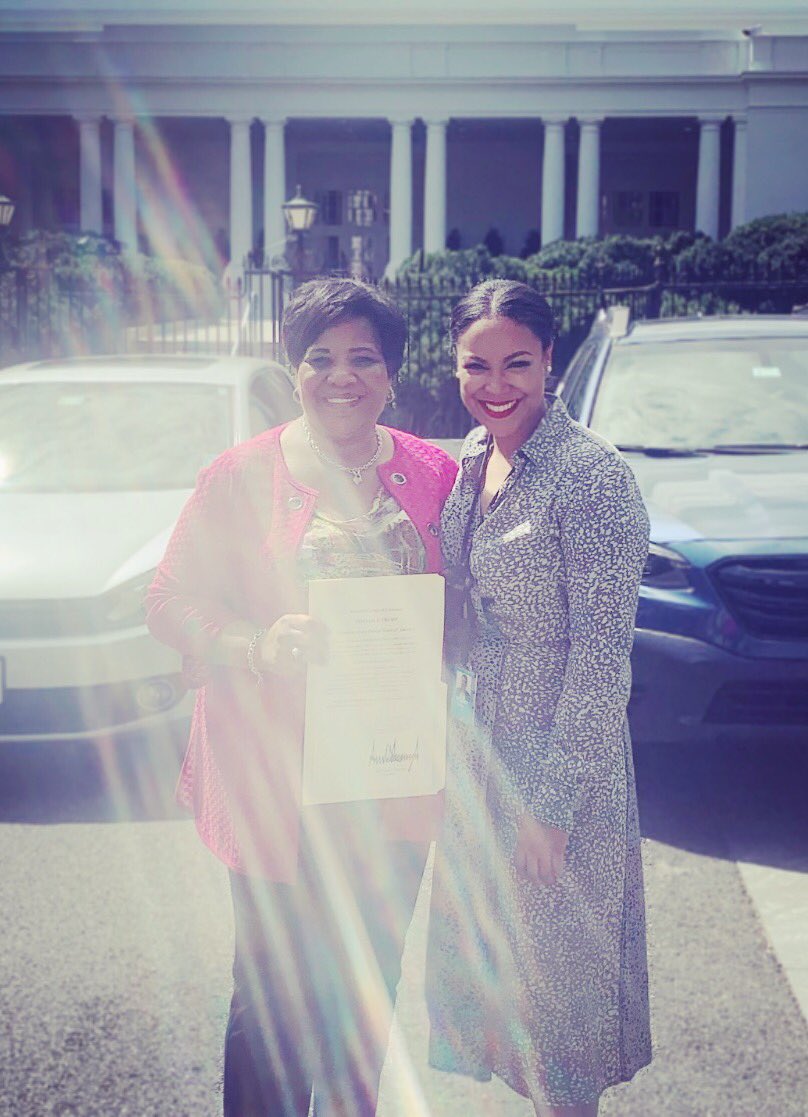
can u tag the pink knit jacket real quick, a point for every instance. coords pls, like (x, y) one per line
(232, 556)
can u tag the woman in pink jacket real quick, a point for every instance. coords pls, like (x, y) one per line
(322, 896)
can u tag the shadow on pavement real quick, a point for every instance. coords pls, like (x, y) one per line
(51, 782)
(730, 800)
(733, 800)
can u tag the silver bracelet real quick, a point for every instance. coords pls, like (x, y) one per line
(259, 678)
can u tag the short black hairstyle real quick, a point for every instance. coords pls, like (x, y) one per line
(318, 305)
(504, 298)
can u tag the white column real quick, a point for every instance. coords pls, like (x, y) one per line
(400, 194)
(435, 187)
(588, 211)
(240, 192)
(552, 182)
(125, 185)
(90, 212)
(739, 173)
(274, 188)
(707, 183)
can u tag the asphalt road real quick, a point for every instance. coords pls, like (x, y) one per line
(115, 941)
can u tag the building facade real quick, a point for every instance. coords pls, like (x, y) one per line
(186, 135)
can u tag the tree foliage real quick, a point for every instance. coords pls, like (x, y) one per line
(681, 274)
(82, 291)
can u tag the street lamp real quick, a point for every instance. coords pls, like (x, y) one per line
(300, 215)
(6, 213)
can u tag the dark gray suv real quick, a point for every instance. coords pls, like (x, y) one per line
(712, 416)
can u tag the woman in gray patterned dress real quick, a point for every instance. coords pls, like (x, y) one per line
(537, 967)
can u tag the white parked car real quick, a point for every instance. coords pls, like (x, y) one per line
(97, 457)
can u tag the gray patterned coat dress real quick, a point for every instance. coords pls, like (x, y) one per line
(544, 986)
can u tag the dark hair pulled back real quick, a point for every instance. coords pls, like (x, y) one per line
(504, 298)
(318, 305)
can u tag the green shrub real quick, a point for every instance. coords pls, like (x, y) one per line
(162, 289)
(619, 260)
(704, 260)
(671, 245)
(129, 286)
(562, 254)
(750, 242)
(575, 276)
(787, 258)
(464, 267)
(610, 262)
(82, 292)
(73, 288)
(675, 305)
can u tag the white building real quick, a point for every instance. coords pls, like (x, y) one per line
(187, 127)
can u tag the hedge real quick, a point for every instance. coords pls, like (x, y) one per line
(576, 276)
(84, 288)
(769, 246)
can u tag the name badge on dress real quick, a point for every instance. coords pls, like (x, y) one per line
(464, 695)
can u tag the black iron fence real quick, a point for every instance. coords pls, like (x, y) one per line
(427, 393)
(43, 314)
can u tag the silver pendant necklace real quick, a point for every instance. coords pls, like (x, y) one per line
(354, 471)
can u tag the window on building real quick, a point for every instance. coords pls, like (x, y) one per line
(663, 209)
(362, 207)
(107, 210)
(629, 209)
(66, 207)
(330, 203)
(332, 254)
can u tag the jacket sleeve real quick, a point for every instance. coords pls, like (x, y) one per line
(604, 544)
(186, 603)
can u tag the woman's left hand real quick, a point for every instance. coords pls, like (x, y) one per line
(540, 851)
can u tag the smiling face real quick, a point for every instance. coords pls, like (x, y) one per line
(502, 366)
(343, 381)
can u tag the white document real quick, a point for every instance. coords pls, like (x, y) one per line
(376, 711)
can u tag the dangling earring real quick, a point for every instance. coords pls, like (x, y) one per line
(548, 369)
(296, 394)
(391, 396)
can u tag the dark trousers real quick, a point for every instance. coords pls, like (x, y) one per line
(315, 974)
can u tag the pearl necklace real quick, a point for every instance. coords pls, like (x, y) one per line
(355, 471)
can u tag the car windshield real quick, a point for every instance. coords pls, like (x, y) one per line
(703, 394)
(119, 436)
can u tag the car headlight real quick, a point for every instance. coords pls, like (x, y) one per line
(126, 605)
(665, 570)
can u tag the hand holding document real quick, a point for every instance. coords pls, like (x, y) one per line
(376, 711)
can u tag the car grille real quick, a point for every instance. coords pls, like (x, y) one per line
(764, 703)
(57, 710)
(768, 597)
(29, 620)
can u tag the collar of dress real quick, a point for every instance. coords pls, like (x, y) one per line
(555, 419)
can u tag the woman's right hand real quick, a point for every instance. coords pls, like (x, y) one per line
(540, 851)
(293, 642)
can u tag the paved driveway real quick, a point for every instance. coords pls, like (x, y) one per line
(116, 939)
